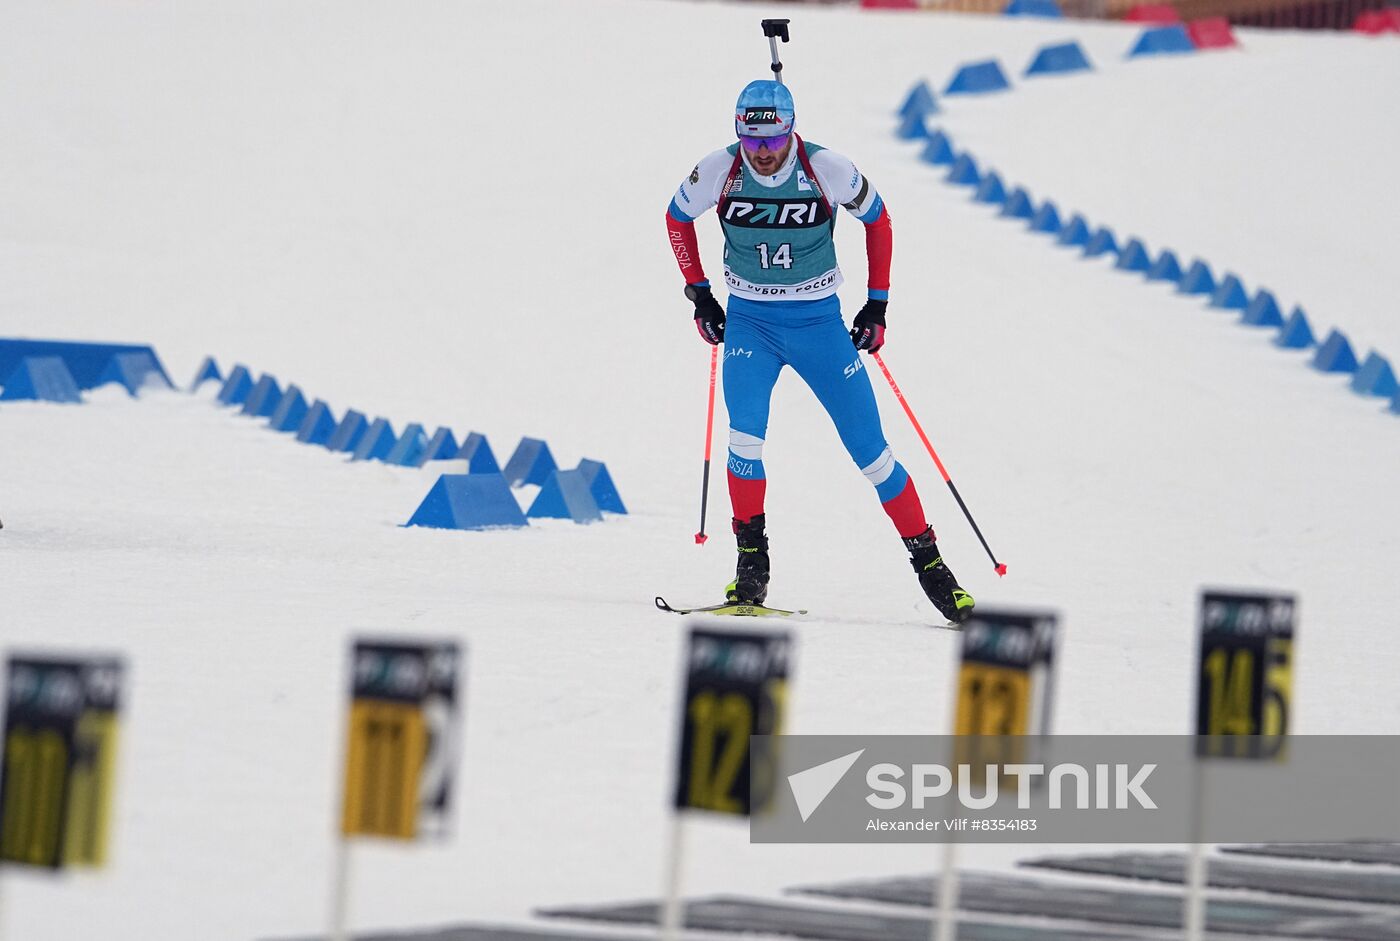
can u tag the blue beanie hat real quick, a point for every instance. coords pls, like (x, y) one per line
(764, 109)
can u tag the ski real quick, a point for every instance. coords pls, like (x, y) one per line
(731, 609)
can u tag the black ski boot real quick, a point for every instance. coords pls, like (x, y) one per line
(937, 579)
(750, 585)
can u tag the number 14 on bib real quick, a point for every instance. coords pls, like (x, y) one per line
(777, 258)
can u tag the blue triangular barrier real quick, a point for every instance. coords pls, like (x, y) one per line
(964, 171)
(1058, 60)
(376, 443)
(1263, 311)
(977, 78)
(912, 127)
(1018, 205)
(565, 495)
(263, 398)
(1165, 268)
(1160, 40)
(1296, 333)
(1375, 377)
(236, 387)
(1046, 8)
(1335, 355)
(530, 464)
(133, 371)
(1075, 232)
(1046, 219)
(318, 425)
(939, 150)
(41, 379)
(408, 448)
(476, 451)
(469, 501)
(1101, 243)
(600, 484)
(85, 361)
(1230, 294)
(1197, 280)
(441, 446)
(348, 433)
(208, 370)
(990, 190)
(1134, 257)
(920, 101)
(290, 410)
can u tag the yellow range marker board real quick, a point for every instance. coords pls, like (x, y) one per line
(403, 732)
(736, 686)
(59, 760)
(1004, 683)
(1245, 677)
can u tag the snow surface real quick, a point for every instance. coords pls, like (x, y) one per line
(1268, 161)
(451, 213)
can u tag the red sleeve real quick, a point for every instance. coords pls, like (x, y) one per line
(879, 246)
(686, 249)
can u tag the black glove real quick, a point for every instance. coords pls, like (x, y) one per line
(868, 329)
(709, 316)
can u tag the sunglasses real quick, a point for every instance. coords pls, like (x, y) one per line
(774, 144)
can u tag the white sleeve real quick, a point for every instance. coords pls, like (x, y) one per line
(846, 186)
(701, 190)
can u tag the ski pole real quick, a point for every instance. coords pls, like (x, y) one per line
(1000, 568)
(700, 537)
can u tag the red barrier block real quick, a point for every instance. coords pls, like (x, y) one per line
(1212, 33)
(1375, 22)
(1153, 13)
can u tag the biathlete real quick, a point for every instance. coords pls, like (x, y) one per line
(776, 197)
